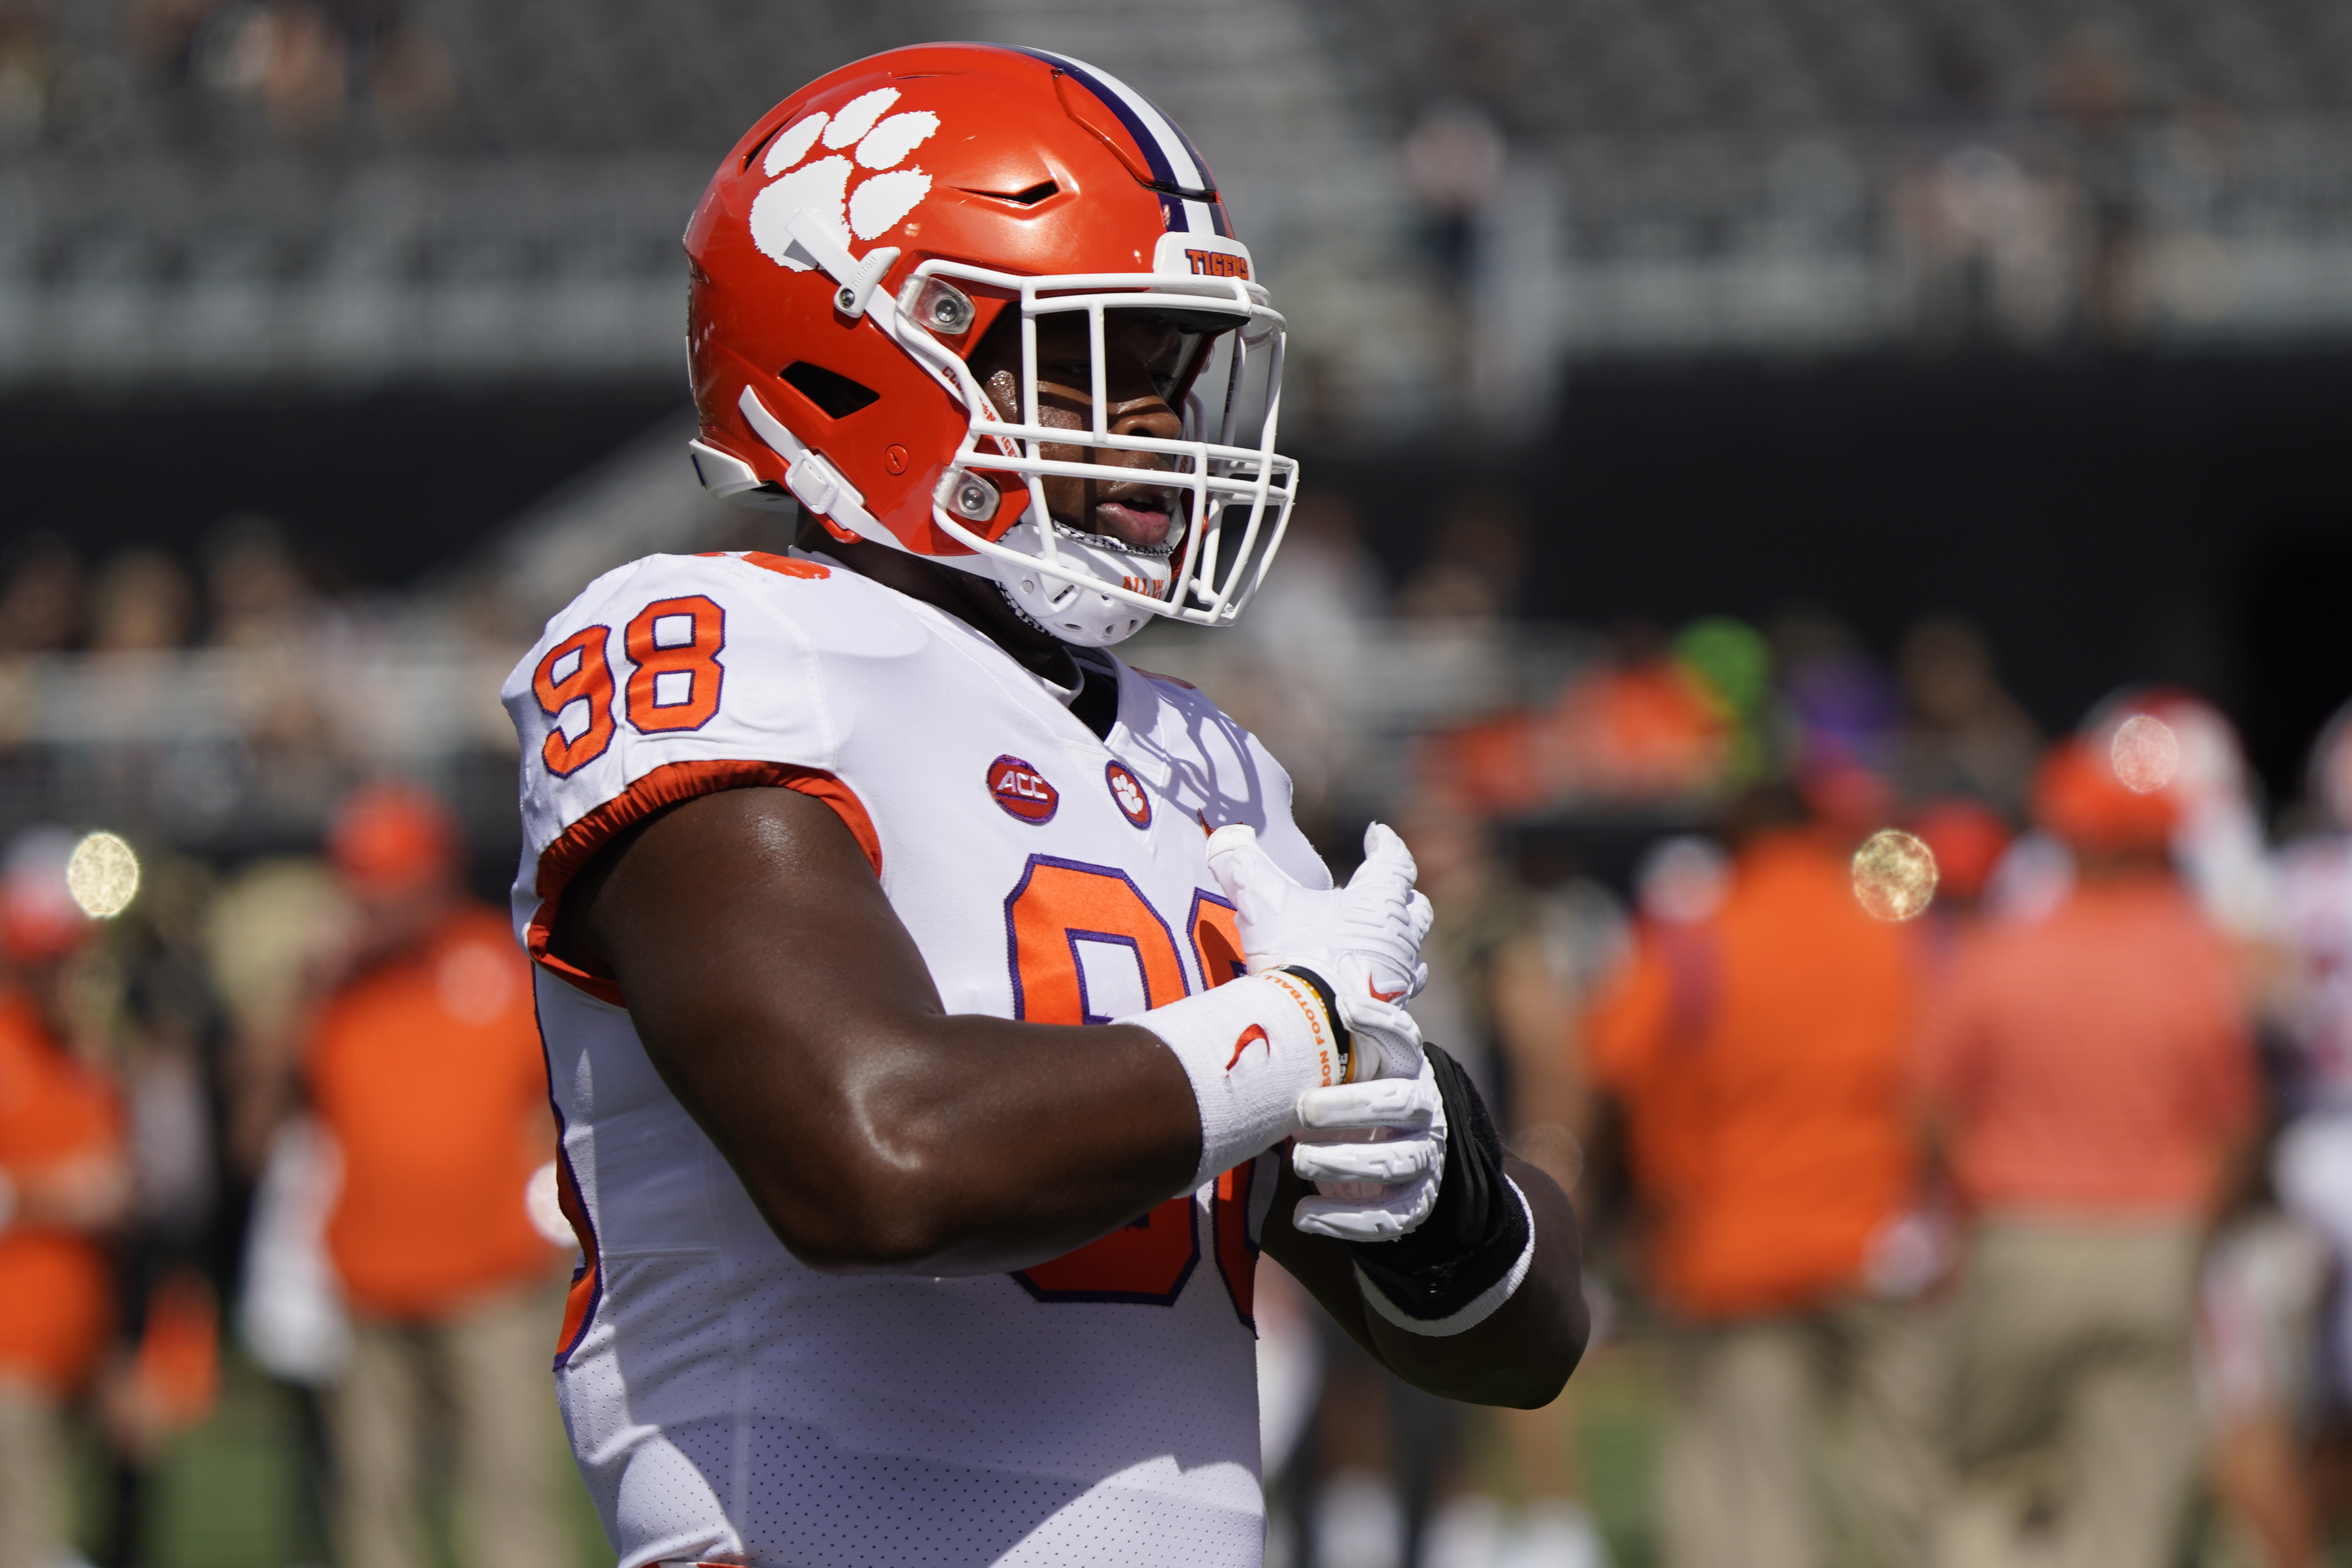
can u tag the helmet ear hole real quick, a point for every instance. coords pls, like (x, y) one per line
(835, 394)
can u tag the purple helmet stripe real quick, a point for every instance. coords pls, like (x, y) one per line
(1173, 161)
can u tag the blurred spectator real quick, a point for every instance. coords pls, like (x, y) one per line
(40, 613)
(2090, 89)
(254, 595)
(2286, 1413)
(28, 66)
(1732, 663)
(1308, 626)
(2182, 747)
(1453, 160)
(40, 607)
(424, 1067)
(1755, 1046)
(2260, 1383)
(63, 1180)
(164, 1373)
(1509, 967)
(1845, 708)
(1472, 575)
(2087, 1076)
(277, 925)
(1987, 243)
(305, 62)
(143, 602)
(258, 600)
(1967, 839)
(1638, 726)
(1963, 735)
(1319, 600)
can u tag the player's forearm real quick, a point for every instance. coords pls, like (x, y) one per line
(1521, 1355)
(956, 1144)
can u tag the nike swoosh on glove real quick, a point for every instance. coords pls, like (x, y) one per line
(1364, 938)
(1376, 1153)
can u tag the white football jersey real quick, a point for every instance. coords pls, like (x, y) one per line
(2314, 897)
(726, 1402)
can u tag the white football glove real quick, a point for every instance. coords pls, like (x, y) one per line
(1376, 1153)
(1364, 939)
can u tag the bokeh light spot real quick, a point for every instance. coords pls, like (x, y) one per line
(2146, 753)
(103, 875)
(1893, 875)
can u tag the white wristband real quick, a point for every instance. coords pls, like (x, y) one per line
(1251, 1047)
(1480, 1309)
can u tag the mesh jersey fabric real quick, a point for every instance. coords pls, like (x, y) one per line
(726, 1402)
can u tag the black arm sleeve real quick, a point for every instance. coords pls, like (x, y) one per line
(1478, 1229)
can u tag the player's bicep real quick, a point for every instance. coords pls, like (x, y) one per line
(757, 954)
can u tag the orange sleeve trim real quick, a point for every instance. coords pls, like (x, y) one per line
(665, 785)
(768, 560)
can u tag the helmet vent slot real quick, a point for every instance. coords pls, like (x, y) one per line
(834, 393)
(760, 146)
(1028, 197)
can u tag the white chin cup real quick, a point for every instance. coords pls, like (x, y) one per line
(1074, 611)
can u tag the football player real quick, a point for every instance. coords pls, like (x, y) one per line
(942, 1014)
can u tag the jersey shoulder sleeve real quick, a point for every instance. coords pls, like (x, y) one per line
(679, 675)
(1215, 768)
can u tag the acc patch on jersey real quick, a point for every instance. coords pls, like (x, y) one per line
(1127, 791)
(1021, 790)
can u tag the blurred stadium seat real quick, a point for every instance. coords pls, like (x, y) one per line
(450, 189)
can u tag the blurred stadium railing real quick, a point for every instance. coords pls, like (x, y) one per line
(1452, 202)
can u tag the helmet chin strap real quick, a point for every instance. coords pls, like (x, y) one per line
(1080, 612)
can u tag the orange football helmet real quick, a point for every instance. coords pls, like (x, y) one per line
(861, 240)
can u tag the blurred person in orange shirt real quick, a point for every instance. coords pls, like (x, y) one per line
(423, 1067)
(2087, 1075)
(1754, 1049)
(64, 1180)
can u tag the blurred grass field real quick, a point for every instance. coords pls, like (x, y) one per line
(228, 1494)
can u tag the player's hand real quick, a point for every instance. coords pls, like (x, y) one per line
(1376, 1153)
(1364, 938)
(1386, 1040)
(1377, 915)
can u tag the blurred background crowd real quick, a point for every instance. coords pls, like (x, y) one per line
(1730, 428)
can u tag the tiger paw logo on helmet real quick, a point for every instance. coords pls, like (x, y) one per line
(871, 144)
(1047, 193)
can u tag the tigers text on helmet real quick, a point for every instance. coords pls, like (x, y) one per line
(863, 240)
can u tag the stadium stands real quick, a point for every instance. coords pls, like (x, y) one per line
(361, 190)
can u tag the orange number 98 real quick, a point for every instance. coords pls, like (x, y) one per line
(1058, 906)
